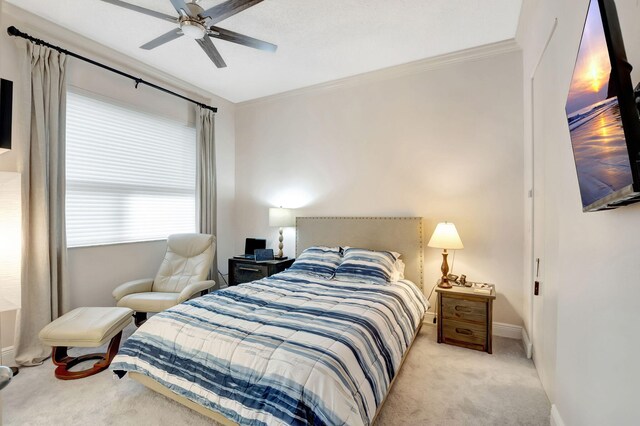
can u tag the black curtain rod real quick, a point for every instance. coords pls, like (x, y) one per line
(13, 31)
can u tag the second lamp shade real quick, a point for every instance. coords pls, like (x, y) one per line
(446, 237)
(281, 217)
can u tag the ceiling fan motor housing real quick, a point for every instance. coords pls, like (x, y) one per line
(193, 23)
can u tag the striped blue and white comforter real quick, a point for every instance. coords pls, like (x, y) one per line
(290, 349)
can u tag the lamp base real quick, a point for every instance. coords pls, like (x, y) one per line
(444, 283)
(280, 254)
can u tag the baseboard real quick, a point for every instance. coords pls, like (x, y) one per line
(507, 330)
(556, 420)
(499, 328)
(428, 318)
(528, 346)
(8, 356)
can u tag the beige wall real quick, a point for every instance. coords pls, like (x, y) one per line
(442, 143)
(591, 275)
(95, 271)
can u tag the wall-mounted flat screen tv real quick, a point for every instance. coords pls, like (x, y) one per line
(602, 114)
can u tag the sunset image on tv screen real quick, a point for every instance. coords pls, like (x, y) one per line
(597, 136)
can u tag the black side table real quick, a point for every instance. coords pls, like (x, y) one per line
(245, 270)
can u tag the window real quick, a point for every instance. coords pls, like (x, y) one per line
(131, 176)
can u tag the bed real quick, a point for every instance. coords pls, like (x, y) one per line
(293, 348)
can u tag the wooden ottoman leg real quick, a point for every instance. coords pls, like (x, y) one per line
(139, 318)
(65, 362)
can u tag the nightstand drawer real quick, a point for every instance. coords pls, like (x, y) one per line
(244, 273)
(459, 331)
(467, 310)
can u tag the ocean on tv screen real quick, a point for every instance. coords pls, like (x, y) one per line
(600, 150)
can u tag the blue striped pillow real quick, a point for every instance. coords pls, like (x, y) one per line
(320, 261)
(367, 266)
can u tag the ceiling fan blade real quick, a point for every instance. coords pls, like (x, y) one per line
(227, 9)
(142, 10)
(165, 38)
(181, 5)
(244, 40)
(211, 51)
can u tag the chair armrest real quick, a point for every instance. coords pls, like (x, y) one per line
(138, 286)
(191, 289)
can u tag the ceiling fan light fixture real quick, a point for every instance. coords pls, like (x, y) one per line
(193, 29)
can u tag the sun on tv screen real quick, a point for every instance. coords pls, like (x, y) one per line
(602, 115)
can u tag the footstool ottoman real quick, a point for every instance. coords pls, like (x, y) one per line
(85, 328)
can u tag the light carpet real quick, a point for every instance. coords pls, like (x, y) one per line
(438, 385)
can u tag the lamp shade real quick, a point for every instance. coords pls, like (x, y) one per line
(446, 237)
(281, 217)
(10, 241)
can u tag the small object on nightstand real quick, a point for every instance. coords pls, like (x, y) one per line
(465, 316)
(482, 288)
(250, 246)
(262, 255)
(246, 270)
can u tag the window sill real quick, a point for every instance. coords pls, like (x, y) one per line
(115, 244)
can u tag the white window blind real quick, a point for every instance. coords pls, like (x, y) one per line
(130, 175)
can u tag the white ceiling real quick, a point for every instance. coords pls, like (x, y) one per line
(318, 40)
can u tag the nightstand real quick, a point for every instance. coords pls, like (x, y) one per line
(244, 270)
(465, 317)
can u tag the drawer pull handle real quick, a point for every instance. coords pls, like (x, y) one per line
(464, 331)
(463, 309)
(249, 269)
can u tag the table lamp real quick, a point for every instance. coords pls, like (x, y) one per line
(445, 237)
(282, 218)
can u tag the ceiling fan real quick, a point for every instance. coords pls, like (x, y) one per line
(199, 24)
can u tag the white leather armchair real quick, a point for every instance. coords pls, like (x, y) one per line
(181, 276)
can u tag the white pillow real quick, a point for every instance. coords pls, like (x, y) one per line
(398, 271)
(367, 266)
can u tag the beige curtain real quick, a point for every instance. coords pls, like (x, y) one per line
(44, 275)
(206, 178)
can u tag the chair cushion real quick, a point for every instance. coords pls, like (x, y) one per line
(188, 259)
(149, 302)
(86, 327)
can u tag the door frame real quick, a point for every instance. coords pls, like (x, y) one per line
(530, 263)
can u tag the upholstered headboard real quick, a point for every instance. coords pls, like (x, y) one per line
(400, 234)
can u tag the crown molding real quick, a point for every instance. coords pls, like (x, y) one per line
(56, 34)
(410, 68)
